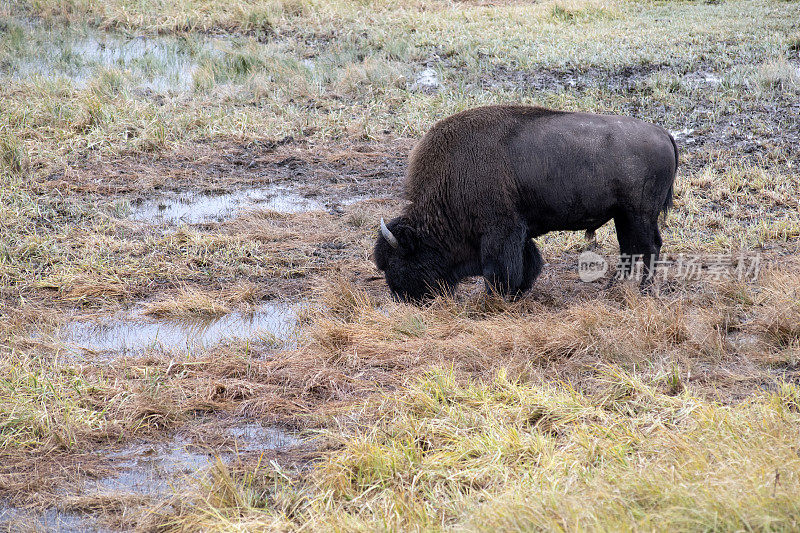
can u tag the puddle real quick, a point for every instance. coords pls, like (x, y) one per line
(132, 332)
(426, 81)
(82, 54)
(151, 469)
(700, 78)
(16, 519)
(683, 135)
(194, 208)
(254, 437)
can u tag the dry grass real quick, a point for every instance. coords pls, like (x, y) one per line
(357, 344)
(501, 455)
(199, 308)
(354, 344)
(192, 302)
(780, 74)
(576, 407)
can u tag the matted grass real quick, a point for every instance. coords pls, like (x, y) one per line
(498, 455)
(577, 407)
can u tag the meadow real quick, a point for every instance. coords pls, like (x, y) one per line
(193, 336)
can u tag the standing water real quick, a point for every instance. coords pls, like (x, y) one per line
(190, 207)
(133, 332)
(82, 54)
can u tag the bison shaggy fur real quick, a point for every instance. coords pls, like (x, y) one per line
(483, 183)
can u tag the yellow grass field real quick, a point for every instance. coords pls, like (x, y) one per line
(193, 336)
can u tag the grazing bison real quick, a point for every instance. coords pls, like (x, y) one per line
(482, 183)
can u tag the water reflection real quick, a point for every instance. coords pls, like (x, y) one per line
(191, 207)
(133, 332)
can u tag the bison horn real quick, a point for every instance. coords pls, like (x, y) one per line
(390, 238)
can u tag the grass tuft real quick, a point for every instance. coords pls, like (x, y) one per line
(780, 74)
(573, 12)
(793, 43)
(189, 303)
(13, 157)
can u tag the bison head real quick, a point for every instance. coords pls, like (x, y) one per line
(415, 267)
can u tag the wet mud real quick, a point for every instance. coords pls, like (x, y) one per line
(752, 129)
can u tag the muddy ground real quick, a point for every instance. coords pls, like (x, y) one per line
(218, 188)
(215, 324)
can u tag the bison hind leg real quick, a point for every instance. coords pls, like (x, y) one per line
(532, 265)
(591, 238)
(639, 239)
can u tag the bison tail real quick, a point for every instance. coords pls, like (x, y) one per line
(668, 202)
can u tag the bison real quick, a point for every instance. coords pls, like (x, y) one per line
(481, 184)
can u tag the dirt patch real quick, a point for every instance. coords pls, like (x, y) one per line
(347, 188)
(329, 172)
(746, 128)
(576, 79)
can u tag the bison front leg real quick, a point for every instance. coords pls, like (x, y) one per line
(532, 266)
(503, 261)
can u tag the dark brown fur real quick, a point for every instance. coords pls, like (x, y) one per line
(485, 181)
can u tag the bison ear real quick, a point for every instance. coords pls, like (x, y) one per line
(406, 238)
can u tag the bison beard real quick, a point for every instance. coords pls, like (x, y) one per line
(483, 183)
